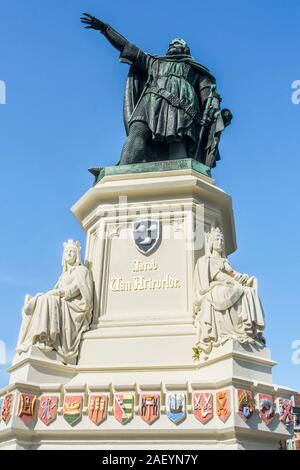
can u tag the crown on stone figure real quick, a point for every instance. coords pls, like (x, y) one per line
(216, 231)
(209, 238)
(74, 243)
(212, 233)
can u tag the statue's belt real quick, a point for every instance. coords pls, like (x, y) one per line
(175, 101)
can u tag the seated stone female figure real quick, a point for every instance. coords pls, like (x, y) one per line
(226, 303)
(55, 320)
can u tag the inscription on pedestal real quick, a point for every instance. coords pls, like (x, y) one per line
(141, 282)
(139, 286)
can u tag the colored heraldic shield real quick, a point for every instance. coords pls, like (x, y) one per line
(123, 407)
(223, 405)
(246, 404)
(176, 407)
(26, 408)
(72, 409)
(48, 409)
(7, 408)
(266, 408)
(203, 406)
(285, 411)
(150, 407)
(98, 408)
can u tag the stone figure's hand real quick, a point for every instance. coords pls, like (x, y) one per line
(28, 297)
(241, 278)
(28, 307)
(57, 292)
(92, 22)
(251, 281)
(244, 279)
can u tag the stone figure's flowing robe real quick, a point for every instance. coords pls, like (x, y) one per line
(58, 322)
(224, 308)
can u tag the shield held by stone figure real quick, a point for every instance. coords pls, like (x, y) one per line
(223, 405)
(48, 409)
(176, 407)
(285, 411)
(149, 409)
(203, 406)
(123, 407)
(7, 408)
(246, 404)
(98, 408)
(146, 235)
(26, 408)
(266, 408)
(72, 409)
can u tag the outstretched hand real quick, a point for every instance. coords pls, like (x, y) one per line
(92, 22)
(244, 278)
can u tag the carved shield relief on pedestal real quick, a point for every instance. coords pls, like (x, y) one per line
(266, 408)
(72, 409)
(98, 408)
(146, 235)
(176, 407)
(223, 405)
(1, 404)
(7, 408)
(203, 406)
(48, 409)
(285, 411)
(123, 407)
(149, 409)
(246, 403)
(26, 408)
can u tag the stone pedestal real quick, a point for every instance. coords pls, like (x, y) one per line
(142, 332)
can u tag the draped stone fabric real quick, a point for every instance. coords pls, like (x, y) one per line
(224, 308)
(53, 322)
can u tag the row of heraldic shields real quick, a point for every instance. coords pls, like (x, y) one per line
(205, 406)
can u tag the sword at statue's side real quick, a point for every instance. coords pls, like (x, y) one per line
(205, 120)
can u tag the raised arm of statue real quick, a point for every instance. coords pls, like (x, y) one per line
(116, 39)
(130, 54)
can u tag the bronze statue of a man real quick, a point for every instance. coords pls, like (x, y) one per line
(171, 107)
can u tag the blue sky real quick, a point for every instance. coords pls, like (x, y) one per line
(64, 114)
